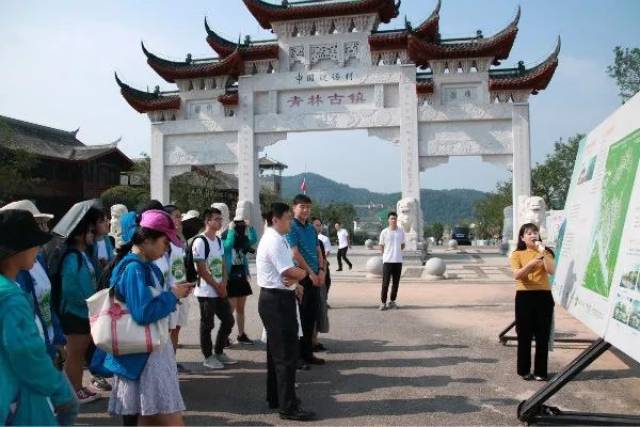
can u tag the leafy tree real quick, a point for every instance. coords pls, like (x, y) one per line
(489, 212)
(551, 179)
(267, 197)
(343, 213)
(16, 166)
(142, 170)
(437, 230)
(131, 197)
(626, 71)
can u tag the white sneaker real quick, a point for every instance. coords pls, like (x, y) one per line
(84, 396)
(212, 362)
(383, 307)
(225, 360)
(392, 305)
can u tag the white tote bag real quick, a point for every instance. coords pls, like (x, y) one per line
(114, 330)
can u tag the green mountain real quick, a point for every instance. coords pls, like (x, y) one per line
(444, 206)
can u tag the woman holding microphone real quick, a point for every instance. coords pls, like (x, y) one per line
(532, 263)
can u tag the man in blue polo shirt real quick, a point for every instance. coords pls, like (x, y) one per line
(307, 255)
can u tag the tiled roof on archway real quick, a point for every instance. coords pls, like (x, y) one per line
(250, 50)
(266, 13)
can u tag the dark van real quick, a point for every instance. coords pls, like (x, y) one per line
(462, 235)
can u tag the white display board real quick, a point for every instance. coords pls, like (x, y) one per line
(598, 250)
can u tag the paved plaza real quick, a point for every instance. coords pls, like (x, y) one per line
(435, 361)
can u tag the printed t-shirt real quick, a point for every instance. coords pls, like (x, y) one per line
(214, 264)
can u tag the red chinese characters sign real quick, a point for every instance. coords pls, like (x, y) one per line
(317, 100)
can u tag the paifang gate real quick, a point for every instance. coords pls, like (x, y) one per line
(329, 67)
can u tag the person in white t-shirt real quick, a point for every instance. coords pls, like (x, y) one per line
(172, 267)
(208, 257)
(392, 242)
(344, 243)
(278, 279)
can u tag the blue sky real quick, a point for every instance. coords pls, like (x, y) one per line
(58, 60)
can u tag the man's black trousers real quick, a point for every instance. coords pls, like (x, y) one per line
(277, 310)
(391, 272)
(209, 308)
(309, 309)
(342, 254)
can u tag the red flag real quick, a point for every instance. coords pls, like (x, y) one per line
(303, 185)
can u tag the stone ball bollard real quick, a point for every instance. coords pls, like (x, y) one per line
(374, 266)
(435, 268)
(368, 244)
(453, 244)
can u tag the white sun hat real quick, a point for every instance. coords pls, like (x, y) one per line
(27, 205)
(190, 215)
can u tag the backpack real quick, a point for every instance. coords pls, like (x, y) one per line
(189, 267)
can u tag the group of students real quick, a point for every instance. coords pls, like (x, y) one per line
(153, 269)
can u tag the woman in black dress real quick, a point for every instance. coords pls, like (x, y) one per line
(239, 240)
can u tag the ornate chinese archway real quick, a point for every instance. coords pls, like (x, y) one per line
(331, 68)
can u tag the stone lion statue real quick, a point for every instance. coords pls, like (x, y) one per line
(533, 209)
(410, 219)
(116, 228)
(222, 207)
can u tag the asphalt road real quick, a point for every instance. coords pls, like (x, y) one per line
(435, 361)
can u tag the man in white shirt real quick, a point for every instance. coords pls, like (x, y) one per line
(392, 242)
(211, 290)
(278, 279)
(344, 243)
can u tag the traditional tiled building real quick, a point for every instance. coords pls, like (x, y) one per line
(66, 170)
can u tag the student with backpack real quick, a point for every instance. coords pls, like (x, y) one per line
(146, 384)
(32, 390)
(205, 258)
(77, 282)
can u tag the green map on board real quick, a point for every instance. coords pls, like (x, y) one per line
(617, 188)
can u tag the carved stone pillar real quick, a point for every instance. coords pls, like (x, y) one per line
(409, 163)
(159, 179)
(521, 160)
(248, 181)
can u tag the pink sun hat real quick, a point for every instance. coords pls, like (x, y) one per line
(158, 220)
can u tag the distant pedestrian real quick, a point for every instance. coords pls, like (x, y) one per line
(277, 277)
(392, 242)
(344, 243)
(532, 263)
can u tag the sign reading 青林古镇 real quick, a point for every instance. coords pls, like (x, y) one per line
(598, 252)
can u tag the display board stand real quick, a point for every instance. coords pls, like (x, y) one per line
(533, 410)
(504, 338)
